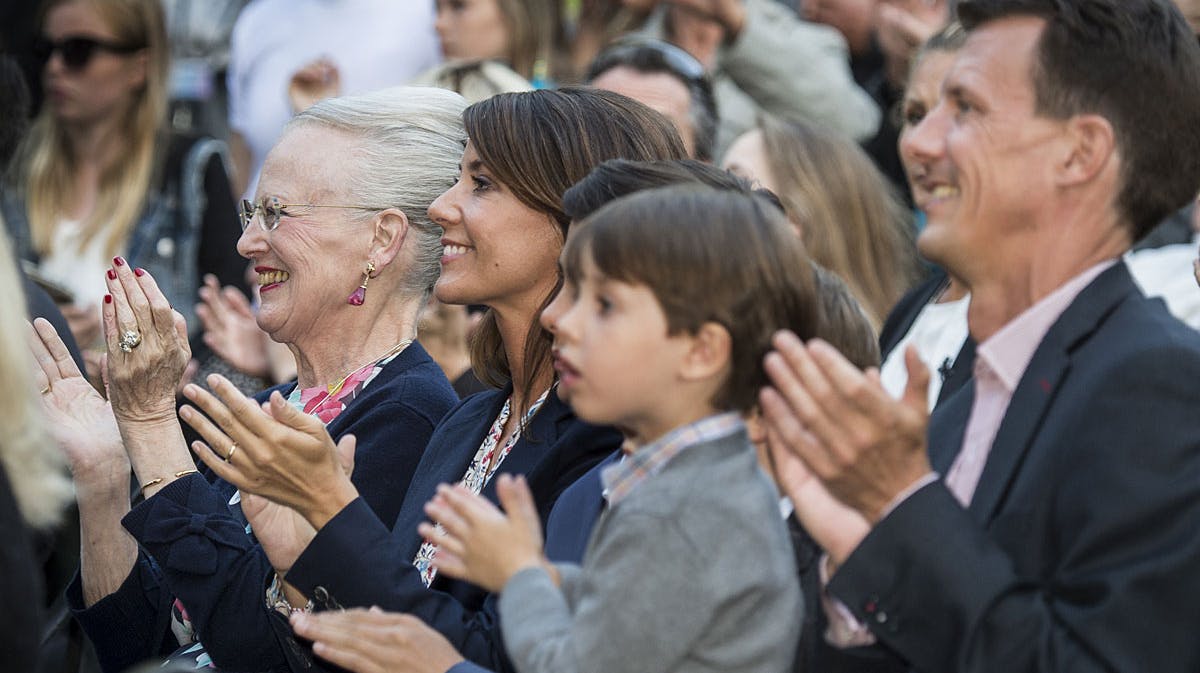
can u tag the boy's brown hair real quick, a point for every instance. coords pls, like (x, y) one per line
(708, 256)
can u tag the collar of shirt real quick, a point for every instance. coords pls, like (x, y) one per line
(1008, 352)
(619, 479)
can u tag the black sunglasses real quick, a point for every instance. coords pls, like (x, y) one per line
(77, 50)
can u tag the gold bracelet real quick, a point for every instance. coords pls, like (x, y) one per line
(152, 482)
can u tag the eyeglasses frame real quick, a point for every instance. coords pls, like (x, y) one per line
(248, 210)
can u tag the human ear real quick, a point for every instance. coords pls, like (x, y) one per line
(1091, 149)
(390, 230)
(709, 353)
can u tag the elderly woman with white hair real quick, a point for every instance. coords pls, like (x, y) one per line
(346, 256)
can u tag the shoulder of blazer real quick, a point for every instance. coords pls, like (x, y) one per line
(1090, 309)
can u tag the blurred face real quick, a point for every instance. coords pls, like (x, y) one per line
(497, 251)
(612, 352)
(105, 85)
(659, 91)
(472, 29)
(924, 89)
(310, 263)
(747, 158)
(985, 158)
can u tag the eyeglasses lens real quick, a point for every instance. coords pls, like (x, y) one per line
(76, 52)
(270, 213)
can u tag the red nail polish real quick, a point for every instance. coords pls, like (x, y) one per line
(112, 275)
(139, 272)
(108, 298)
(118, 261)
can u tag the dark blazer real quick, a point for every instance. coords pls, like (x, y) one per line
(356, 560)
(1079, 549)
(195, 548)
(900, 320)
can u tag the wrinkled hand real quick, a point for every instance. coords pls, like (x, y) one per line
(283, 455)
(282, 531)
(314, 82)
(374, 641)
(865, 447)
(142, 382)
(80, 420)
(230, 329)
(479, 543)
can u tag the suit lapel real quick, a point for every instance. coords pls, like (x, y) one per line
(947, 426)
(1035, 392)
(531, 446)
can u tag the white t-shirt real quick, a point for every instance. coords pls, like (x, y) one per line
(374, 44)
(79, 270)
(1167, 272)
(938, 333)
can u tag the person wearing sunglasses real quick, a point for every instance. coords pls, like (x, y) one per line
(100, 174)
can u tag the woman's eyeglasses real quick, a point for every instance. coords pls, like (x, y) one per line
(272, 210)
(77, 50)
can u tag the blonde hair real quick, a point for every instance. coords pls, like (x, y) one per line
(46, 165)
(33, 465)
(852, 221)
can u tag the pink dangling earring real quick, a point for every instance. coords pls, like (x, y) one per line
(359, 295)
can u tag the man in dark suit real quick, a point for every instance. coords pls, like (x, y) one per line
(1047, 521)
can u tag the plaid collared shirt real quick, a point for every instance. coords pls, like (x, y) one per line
(619, 479)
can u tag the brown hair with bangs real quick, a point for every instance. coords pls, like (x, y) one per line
(708, 256)
(538, 144)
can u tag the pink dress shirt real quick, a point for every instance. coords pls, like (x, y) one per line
(1000, 362)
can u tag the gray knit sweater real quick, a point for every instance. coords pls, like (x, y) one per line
(691, 571)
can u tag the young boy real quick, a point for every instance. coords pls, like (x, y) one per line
(673, 295)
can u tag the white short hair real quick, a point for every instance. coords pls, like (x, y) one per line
(412, 140)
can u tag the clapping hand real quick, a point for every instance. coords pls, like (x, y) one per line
(479, 543)
(230, 328)
(863, 447)
(279, 453)
(80, 420)
(374, 641)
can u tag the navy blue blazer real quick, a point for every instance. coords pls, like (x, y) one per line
(195, 548)
(356, 560)
(1078, 551)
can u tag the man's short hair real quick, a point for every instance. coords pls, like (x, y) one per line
(655, 56)
(1135, 63)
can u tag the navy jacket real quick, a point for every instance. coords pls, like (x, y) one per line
(356, 561)
(1078, 551)
(193, 547)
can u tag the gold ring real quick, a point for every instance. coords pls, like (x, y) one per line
(46, 389)
(130, 340)
(232, 450)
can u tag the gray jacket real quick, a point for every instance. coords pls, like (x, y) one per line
(787, 67)
(691, 571)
